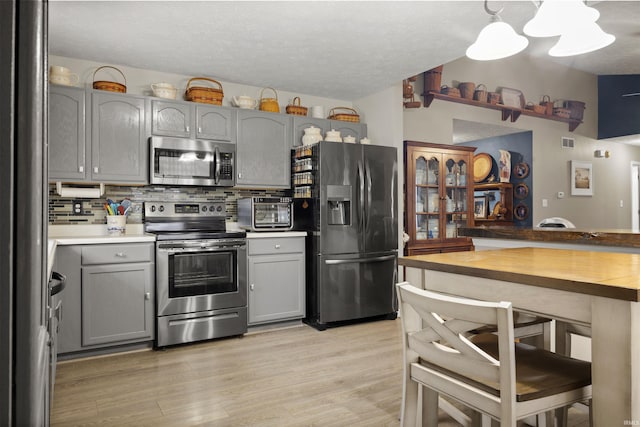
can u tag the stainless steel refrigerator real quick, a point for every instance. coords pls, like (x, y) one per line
(352, 248)
(25, 351)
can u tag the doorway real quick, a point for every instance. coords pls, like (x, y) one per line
(635, 196)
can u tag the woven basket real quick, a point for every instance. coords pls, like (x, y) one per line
(564, 113)
(451, 91)
(540, 109)
(269, 104)
(547, 104)
(107, 85)
(493, 98)
(296, 109)
(432, 79)
(203, 94)
(467, 89)
(576, 108)
(345, 117)
(480, 94)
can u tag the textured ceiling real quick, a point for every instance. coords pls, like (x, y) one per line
(344, 50)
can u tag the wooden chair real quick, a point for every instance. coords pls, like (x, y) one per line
(490, 373)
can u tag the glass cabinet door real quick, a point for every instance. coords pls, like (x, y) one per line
(427, 197)
(455, 181)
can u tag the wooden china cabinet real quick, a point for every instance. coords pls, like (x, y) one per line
(438, 197)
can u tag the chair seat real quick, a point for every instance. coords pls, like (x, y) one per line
(539, 373)
(520, 321)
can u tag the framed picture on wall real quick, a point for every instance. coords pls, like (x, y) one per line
(581, 178)
(480, 207)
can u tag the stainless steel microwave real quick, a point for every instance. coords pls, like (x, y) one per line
(265, 213)
(176, 161)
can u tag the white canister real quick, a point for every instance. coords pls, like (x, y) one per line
(62, 76)
(317, 111)
(350, 139)
(365, 140)
(164, 90)
(311, 135)
(116, 225)
(333, 136)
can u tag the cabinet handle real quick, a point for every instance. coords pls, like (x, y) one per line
(187, 129)
(240, 175)
(120, 254)
(80, 168)
(95, 169)
(277, 246)
(147, 296)
(252, 287)
(199, 130)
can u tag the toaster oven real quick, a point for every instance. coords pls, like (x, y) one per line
(265, 213)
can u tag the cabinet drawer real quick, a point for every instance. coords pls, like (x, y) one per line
(111, 253)
(276, 245)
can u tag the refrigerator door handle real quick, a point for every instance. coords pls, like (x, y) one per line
(361, 197)
(367, 175)
(359, 260)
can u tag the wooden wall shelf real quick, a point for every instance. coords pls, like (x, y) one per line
(508, 113)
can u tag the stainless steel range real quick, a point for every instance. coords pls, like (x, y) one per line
(201, 279)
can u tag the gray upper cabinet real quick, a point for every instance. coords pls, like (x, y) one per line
(263, 153)
(189, 120)
(357, 130)
(119, 131)
(301, 123)
(67, 154)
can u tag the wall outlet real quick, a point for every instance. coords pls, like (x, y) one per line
(545, 203)
(560, 194)
(622, 203)
(77, 208)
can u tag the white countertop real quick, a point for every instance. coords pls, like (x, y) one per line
(271, 234)
(96, 234)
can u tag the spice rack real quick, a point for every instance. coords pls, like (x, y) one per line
(508, 113)
(302, 172)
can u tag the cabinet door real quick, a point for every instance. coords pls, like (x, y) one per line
(171, 119)
(67, 157)
(276, 287)
(263, 156)
(301, 123)
(456, 194)
(215, 123)
(357, 130)
(116, 303)
(119, 146)
(425, 196)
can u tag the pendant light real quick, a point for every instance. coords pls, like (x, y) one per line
(497, 40)
(583, 39)
(556, 17)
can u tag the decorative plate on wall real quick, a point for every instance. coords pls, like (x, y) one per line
(521, 191)
(521, 212)
(482, 164)
(521, 170)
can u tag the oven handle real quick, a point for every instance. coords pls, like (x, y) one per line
(175, 250)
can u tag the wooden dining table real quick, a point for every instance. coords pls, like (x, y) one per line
(596, 289)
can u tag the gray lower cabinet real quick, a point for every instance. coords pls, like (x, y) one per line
(192, 120)
(67, 153)
(108, 299)
(263, 152)
(276, 279)
(119, 131)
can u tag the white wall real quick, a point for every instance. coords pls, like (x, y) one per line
(551, 163)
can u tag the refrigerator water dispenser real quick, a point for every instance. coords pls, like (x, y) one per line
(339, 212)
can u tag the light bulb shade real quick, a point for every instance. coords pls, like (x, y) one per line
(556, 17)
(496, 41)
(584, 39)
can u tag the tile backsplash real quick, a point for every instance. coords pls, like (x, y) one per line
(61, 208)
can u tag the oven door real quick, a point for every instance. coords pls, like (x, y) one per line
(200, 275)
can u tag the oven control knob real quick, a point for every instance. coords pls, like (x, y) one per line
(204, 209)
(219, 208)
(153, 208)
(161, 208)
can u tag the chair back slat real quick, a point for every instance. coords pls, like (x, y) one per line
(441, 342)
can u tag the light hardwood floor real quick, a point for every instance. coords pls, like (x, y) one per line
(346, 376)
